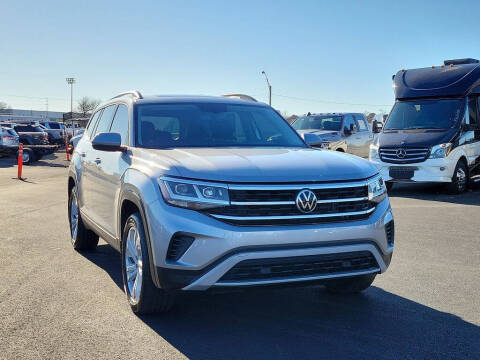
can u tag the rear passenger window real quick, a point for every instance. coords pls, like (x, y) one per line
(92, 123)
(120, 123)
(106, 119)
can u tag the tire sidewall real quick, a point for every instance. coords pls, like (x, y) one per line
(459, 190)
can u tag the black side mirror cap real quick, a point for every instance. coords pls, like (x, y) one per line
(110, 141)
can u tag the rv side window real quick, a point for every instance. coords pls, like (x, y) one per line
(473, 110)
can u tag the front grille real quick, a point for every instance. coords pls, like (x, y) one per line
(301, 266)
(403, 155)
(272, 204)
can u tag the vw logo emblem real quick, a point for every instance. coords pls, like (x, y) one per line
(306, 201)
(401, 153)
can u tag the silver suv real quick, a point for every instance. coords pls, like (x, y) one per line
(215, 192)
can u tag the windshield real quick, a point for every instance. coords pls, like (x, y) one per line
(211, 125)
(333, 123)
(425, 114)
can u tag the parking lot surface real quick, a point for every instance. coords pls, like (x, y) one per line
(56, 303)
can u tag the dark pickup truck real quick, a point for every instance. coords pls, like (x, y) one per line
(34, 138)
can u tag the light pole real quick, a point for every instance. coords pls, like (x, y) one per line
(269, 89)
(71, 81)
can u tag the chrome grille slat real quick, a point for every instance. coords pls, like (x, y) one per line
(410, 155)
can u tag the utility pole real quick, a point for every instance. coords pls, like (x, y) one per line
(71, 81)
(269, 89)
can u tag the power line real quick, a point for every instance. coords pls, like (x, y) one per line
(34, 97)
(328, 102)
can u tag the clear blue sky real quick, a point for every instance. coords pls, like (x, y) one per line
(334, 51)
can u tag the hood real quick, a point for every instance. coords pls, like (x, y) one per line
(413, 138)
(257, 165)
(319, 133)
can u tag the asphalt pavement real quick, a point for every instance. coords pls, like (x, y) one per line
(56, 303)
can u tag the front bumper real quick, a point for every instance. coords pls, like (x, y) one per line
(430, 170)
(218, 246)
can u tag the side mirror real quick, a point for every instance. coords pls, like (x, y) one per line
(376, 127)
(108, 142)
(312, 139)
(347, 131)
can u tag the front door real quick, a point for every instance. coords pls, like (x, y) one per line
(108, 174)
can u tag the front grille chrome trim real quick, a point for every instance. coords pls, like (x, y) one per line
(340, 185)
(312, 216)
(266, 203)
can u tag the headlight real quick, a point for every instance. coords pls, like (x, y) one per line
(192, 194)
(373, 152)
(325, 144)
(376, 189)
(440, 151)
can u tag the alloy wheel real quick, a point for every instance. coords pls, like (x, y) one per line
(133, 264)
(74, 216)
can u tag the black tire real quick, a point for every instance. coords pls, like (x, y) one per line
(389, 185)
(460, 178)
(83, 238)
(28, 156)
(350, 285)
(150, 298)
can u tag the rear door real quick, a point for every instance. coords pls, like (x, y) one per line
(84, 149)
(363, 136)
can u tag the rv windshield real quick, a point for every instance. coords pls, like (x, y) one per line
(425, 114)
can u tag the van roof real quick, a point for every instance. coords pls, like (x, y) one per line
(437, 81)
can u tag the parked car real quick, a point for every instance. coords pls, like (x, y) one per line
(203, 192)
(33, 135)
(8, 141)
(432, 133)
(72, 143)
(346, 132)
(55, 131)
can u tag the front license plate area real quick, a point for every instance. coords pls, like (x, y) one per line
(401, 173)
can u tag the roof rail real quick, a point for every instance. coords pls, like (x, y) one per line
(241, 96)
(136, 94)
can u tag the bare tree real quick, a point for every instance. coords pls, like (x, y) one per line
(87, 105)
(4, 106)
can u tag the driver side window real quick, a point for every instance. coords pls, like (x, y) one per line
(350, 124)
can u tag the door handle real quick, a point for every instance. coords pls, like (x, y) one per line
(82, 154)
(358, 137)
(98, 161)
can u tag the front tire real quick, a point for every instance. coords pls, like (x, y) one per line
(81, 237)
(350, 285)
(459, 180)
(142, 294)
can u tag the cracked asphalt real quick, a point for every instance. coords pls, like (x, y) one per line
(56, 303)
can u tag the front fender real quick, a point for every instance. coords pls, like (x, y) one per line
(141, 190)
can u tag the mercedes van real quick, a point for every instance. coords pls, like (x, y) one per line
(432, 133)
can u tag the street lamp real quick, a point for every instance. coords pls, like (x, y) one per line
(71, 81)
(269, 89)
